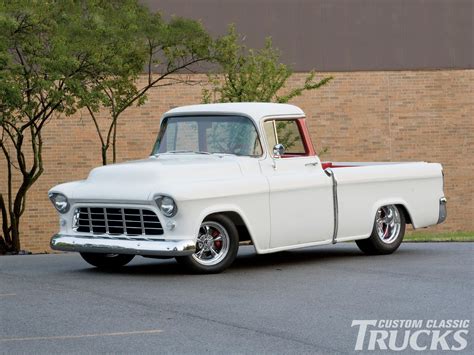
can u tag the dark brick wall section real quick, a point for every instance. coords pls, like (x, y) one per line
(345, 35)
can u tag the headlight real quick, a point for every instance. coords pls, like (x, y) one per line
(166, 205)
(59, 201)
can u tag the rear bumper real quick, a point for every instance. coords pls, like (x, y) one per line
(88, 244)
(443, 212)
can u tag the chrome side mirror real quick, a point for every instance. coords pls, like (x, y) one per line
(278, 150)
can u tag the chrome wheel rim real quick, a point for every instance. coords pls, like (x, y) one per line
(388, 224)
(212, 244)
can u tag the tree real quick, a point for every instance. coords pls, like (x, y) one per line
(248, 75)
(163, 48)
(49, 52)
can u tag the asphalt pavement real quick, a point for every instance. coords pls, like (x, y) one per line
(301, 301)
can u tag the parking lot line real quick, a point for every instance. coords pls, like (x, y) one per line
(64, 337)
(7, 294)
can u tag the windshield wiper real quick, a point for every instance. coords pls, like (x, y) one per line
(226, 154)
(186, 151)
(196, 152)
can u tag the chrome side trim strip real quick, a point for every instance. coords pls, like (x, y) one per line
(330, 173)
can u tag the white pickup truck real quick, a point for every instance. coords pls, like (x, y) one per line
(223, 174)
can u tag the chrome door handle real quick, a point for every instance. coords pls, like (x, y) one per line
(312, 164)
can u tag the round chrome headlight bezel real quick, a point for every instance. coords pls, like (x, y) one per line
(167, 205)
(60, 202)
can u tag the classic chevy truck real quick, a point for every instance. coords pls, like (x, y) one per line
(223, 174)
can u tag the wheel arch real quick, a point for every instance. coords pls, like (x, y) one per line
(399, 203)
(403, 209)
(254, 227)
(237, 220)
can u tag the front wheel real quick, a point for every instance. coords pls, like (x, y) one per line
(216, 247)
(387, 234)
(107, 261)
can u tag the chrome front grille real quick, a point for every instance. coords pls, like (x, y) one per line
(116, 221)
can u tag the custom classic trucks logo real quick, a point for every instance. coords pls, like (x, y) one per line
(417, 335)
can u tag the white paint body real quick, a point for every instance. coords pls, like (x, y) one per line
(284, 208)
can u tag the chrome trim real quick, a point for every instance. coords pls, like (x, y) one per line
(160, 195)
(91, 228)
(142, 220)
(106, 219)
(388, 224)
(443, 211)
(278, 150)
(88, 244)
(128, 221)
(330, 173)
(211, 248)
(52, 198)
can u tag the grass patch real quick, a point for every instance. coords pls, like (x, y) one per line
(439, 237)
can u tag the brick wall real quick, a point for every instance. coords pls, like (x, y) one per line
(360, 116)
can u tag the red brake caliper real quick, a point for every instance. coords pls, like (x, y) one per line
(217, 243)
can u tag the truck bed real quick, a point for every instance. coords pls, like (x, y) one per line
(417, 187)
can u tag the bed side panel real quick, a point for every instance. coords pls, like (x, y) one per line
(362, 190)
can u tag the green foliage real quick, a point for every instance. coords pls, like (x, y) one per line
(51, 53)
(252, 75)
(248, 75)
(163, 47)
(57, 56)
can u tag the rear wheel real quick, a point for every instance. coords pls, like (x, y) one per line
(388, 232)
(216, 247)
(107, 261)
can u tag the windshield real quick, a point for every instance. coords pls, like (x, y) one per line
(208, 134)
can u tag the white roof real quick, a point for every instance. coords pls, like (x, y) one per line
(255, 110)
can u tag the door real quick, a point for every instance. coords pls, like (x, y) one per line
(301, 202)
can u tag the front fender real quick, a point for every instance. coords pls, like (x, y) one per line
(253, 210)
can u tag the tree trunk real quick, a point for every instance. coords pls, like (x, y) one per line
(114, 141)
(15, 234)
(10, 242)
(104, 155)
(13, 209)
(5, 239)
(3, 246)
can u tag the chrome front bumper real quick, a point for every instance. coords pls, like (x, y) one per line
(88, 244)
(443, 211)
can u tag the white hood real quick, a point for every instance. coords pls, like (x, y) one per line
(139, 180)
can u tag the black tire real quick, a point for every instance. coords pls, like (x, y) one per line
(107, 261)
(194, 266)
(374, 245)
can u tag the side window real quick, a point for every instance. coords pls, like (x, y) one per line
(270, 132)
(285, 132)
